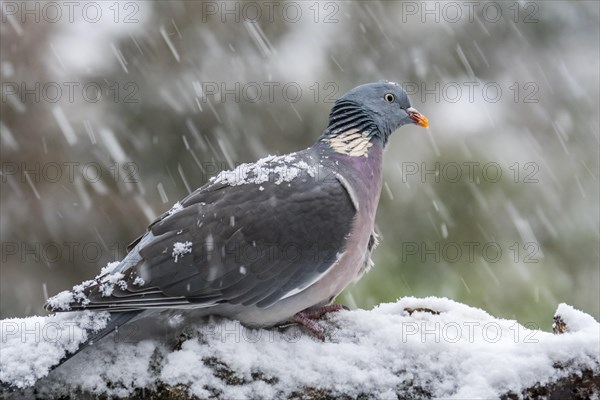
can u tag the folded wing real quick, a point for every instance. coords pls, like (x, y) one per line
(249, 239)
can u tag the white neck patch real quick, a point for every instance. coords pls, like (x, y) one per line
(352, 143)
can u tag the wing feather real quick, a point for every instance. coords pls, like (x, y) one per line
(251, 244)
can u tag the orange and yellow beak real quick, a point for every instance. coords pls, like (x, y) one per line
(417, 117)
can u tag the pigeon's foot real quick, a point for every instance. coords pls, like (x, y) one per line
(307, 318)
(316, 313)
(310, 324)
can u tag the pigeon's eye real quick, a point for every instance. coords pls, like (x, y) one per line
(389, 97)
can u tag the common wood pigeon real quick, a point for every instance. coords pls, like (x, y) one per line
(272, 241)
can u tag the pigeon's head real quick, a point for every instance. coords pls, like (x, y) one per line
(378, 108)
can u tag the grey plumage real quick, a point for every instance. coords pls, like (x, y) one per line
(266, 240)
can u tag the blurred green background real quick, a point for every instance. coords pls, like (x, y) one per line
(510, 88)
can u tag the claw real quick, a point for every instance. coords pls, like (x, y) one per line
(319, 312)
(311, 325)
(308, 317)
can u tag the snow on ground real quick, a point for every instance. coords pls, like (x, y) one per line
(462, 352)
(30, 346)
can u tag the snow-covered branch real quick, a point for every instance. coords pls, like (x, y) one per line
(415, 348)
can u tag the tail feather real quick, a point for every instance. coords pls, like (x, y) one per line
(116, 320)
